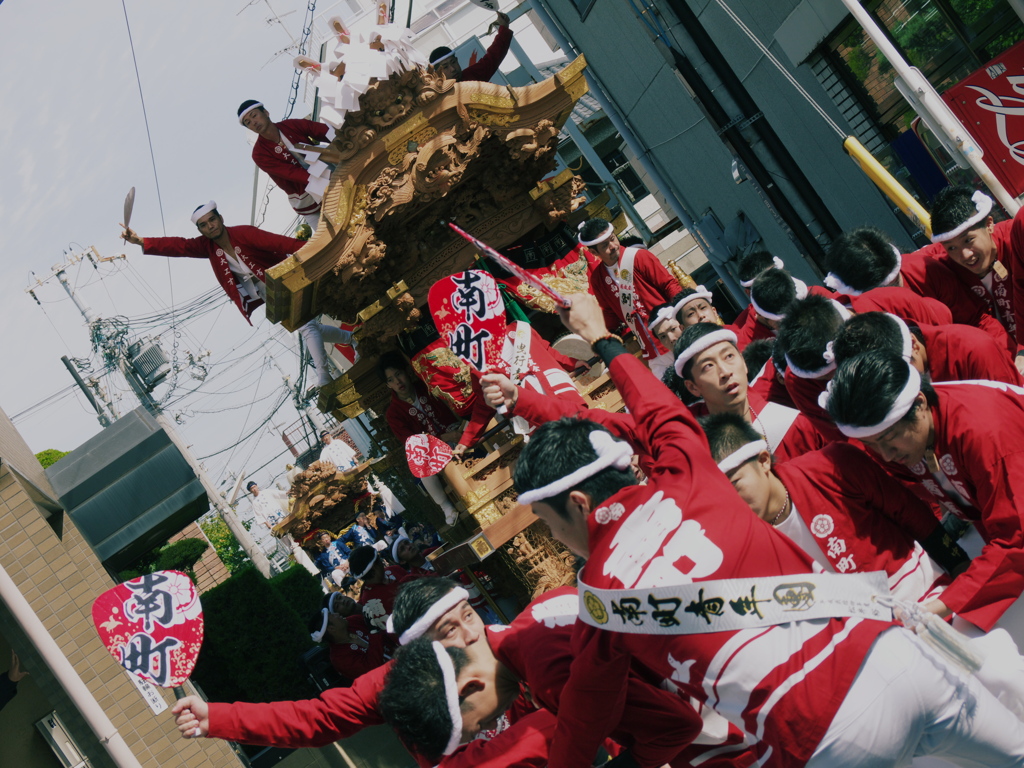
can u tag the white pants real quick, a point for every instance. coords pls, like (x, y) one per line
(907, 700)
(314, 333)
(313, 219)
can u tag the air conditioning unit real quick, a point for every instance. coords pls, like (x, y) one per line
(149, 361)
(56, 735)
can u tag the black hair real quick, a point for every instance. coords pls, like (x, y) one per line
(245, 105)
(676, 386)
(866, 385)
(779, 358)
(632, 240)
(593, 228)
(756, 354)
(359, 558)
(414, 701)
(727, 433)
(862, 333)
(809, 326)
(753, 264)
(862, 258)
(774, 291)
(690, 335)
(389, 360)
(437, 53)
(952, 207)
(250, 484)
(559, 448)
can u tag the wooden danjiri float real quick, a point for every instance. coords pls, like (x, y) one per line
(421, 151)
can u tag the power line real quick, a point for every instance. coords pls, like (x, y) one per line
(145, 117)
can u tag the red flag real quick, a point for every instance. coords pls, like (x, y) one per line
(427, 455)
(468, 312)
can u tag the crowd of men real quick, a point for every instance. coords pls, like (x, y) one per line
(803, 546)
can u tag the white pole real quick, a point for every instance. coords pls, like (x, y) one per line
(66, 675)
(1018, 7)
(932, 103)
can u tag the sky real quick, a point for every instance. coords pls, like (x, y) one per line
(75, 142)
(75, 139)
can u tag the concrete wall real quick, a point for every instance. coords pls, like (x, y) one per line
(669, 123)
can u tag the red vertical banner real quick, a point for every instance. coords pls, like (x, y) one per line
(469, 314)
(426, 454)
(990, 104)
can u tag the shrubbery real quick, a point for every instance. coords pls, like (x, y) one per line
(254, 640)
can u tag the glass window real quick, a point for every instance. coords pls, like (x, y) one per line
(945, 39)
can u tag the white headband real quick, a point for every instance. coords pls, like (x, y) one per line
(249, 109)
(605, 234)
(610, 453)
(801, 293)
(982, 204)
(779, 264)
(318, 636)
(394, 547)
(202, 210)
(907, 350)
(366, 570)
(830, 364)
(704, 342)
(668, 312)
(439, 59)
(900, 407)
(700, 293)
(833, 281)
(451, 690)
(419, 627)
(742, 455)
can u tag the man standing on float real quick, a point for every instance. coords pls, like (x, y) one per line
(239, 257)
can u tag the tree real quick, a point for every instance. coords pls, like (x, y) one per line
(181, 556)
(50, 456)
(224, 543)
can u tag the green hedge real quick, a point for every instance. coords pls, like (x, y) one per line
(300, 589)
(253, 643)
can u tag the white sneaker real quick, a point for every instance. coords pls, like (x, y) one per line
(451, 515)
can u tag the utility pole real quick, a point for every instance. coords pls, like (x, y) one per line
(113, 349)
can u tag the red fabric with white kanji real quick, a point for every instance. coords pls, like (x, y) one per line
(469, 313)
(152, 626)
(426, 455)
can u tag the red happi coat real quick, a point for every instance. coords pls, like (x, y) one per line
(352, 659)
(548, 369)
(782, 684)
(747, 328)
(979, 446)
(406, 420)
(447, 377)
(652, 284)
(257, 249)
(903, 303)
(1003, 302)
(279, 163)
(483, 70)
(862, 519)
(655, 725)
(924, 273)
(768, 386)
(802, 435)
(339, 713)
(963, 353)
(394, 577)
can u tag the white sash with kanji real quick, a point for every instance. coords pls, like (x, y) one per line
(627, 291)
(722, 605)
(519, 369)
